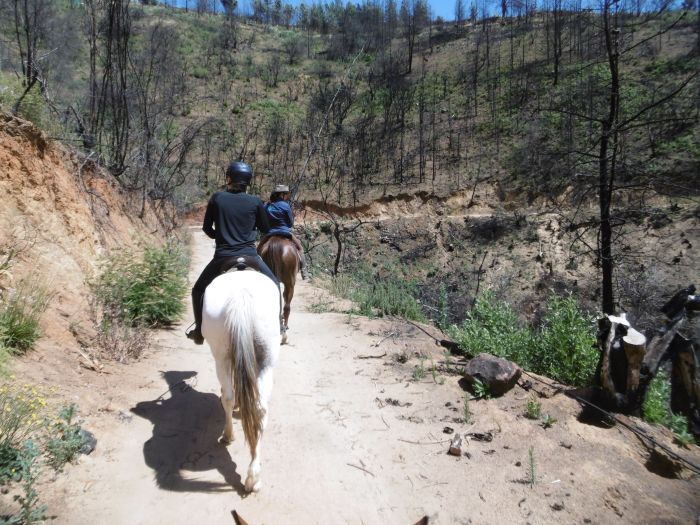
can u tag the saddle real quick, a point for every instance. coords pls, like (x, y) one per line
(243, 263)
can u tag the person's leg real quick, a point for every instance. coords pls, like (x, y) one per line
(302, 257)
(210, 272)
(264, 268)
(263, 241)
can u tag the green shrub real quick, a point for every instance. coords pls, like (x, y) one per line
(20, 313)
(493, 327)
(21, 417)
(656, 404)
(533, 409)
(30, 510)
(657, 409)
(565, 345)
(144, 290)
(67, 438)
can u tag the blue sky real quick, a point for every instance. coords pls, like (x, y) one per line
(443, 8)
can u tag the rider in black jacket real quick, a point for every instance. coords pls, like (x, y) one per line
(232, 218)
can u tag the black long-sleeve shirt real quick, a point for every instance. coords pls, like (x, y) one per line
(232, 219)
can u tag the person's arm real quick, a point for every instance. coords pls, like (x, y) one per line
(261, 221)
(209, 215)
(290, 214)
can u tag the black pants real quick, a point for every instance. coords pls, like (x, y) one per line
(216, 267)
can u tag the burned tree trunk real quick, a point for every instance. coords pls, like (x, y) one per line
(629, 361)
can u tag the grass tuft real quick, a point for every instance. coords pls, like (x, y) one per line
(20, 313)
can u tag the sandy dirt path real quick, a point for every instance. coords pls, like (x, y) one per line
(351, 439)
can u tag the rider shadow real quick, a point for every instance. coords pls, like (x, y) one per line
(186, 428)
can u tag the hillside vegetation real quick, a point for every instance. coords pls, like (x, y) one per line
(551, 149)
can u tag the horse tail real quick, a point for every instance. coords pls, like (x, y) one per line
(240, 324)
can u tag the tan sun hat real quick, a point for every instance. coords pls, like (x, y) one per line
(281, 188)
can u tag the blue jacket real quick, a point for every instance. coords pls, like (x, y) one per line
(280, 216)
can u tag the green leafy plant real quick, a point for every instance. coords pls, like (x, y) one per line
(146, 289)
(466, 411)
(68, 438)
(681, 434)
(434, 371)
(419, 370)
(532, 471)
(548, 421)
(562, 348)
(533, 409)
(21, 416)
(493, 327)
(20, 313)
(657, 409)
(30, 510)
(480, 389)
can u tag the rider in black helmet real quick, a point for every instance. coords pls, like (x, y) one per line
(232, 219)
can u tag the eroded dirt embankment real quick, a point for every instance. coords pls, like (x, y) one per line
(60, 213)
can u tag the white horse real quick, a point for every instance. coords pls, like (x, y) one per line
(242, 326)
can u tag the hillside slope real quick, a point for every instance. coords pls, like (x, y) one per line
(354, 436)
(60, 213)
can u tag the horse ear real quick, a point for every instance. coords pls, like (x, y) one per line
(237, 518)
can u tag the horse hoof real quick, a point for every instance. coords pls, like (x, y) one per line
(224, 440)
(284, 338)
(252, 484)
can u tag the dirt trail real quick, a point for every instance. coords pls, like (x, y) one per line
(352, 439)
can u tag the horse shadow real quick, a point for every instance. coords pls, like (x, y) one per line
(186, 428)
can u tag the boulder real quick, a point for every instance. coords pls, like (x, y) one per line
(498, 374)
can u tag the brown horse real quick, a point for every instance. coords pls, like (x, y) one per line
(281, 256)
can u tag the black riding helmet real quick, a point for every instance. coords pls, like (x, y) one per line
(239, 173)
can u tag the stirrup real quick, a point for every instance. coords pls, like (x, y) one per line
(195, 335)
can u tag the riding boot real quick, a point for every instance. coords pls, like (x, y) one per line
(303, 267)
(195, 335)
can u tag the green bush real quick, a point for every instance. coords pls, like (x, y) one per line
(30, 510)
(656, 404)
(20, 313)
(657, 409)
(67, 438)
(565, 345)
(493, 327)
(145, 290)
(21, 417)
(562, 348)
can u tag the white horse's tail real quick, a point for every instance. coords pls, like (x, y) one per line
(240, 324)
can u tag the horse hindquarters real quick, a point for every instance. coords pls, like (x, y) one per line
(244, 318)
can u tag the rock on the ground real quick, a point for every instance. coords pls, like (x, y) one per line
(498, 374)
(89, 441)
